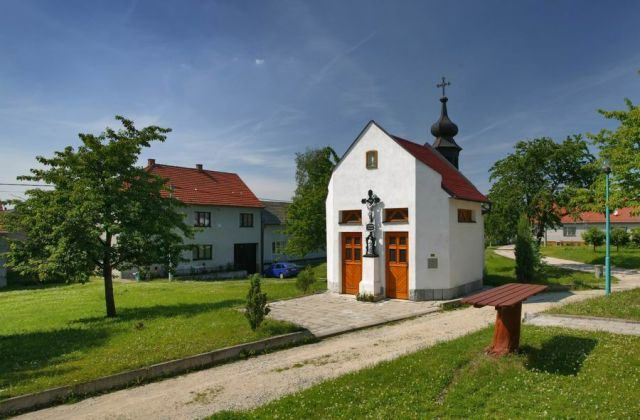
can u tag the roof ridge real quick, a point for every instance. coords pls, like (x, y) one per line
(192, 169)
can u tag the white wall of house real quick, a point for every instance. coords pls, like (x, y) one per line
(225, 231)
(275, 233)
(559, 235)
(394, 182)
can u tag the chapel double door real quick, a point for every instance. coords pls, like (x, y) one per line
(397, 264)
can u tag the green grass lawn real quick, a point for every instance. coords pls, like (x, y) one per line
(59, 335)
(617, 305)
(500, 270)
(559, 374)
(627, 257)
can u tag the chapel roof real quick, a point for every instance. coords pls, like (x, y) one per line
(453, 182)
(198, 186)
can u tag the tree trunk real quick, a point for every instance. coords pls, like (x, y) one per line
(108, 279)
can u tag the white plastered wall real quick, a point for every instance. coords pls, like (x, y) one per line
(466, 244)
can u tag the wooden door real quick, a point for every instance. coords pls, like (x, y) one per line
(351, 262)
(245, 257)
(397, 264)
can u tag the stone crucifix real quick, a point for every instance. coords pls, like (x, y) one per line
(371, 201)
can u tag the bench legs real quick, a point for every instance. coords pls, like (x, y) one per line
(506, 334)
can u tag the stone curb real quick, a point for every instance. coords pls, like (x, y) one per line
(47, 397)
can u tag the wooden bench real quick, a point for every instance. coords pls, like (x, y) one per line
(507, 299)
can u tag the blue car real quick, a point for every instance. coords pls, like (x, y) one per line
(281, 270)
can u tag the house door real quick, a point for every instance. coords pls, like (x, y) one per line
(245, 257)
(397, 262)
(351, 262)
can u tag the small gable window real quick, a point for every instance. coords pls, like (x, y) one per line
(372, 159)
(351, 216)
(396, 215)
(465, 216)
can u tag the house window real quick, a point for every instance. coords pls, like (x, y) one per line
(202, 252)
(351, 216)
(465, 216)
(396, 215)
(569, 231)
(203, 219)
(277, 247)
(372, 159)
(246, 219)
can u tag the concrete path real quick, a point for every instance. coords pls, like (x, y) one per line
(327, 314)
(612, 325)
(258, 380)
(629, 279)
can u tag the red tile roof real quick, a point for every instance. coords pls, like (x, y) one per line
(453, 182)
(616, 216)
(204, 187)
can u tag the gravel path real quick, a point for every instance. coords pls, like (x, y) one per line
(256, 381)
(615, 326)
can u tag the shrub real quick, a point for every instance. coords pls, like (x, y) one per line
(527, 253)
(635, 236)
(593, 236)
(305, 279)
(256, 309)
(619, 237)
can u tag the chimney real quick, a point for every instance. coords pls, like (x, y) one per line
(151, 162)
(199, 166)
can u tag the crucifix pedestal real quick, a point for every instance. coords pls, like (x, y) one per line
(371, 283)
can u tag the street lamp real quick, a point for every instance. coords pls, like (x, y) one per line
(171, 190)
(607, 258)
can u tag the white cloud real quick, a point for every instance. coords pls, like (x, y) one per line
(259, 61)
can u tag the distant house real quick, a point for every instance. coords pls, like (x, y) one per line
(274, 217)
(571, 231)
(225, 213)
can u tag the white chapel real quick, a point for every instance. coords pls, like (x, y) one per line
(402, 221)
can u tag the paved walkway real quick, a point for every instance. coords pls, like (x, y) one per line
(629, 279)
(327, 314)
(612, 325)
(249, 383)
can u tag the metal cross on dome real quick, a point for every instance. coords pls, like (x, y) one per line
(443, 85)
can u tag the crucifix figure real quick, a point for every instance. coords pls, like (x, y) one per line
(443, 85)
(371, 201)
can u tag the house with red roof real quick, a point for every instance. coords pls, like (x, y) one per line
(402, 220)
(225, 213)
(570, 233)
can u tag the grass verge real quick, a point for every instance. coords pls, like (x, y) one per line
(559, 373)
(59, 335)
(626, 257)
(625, 305)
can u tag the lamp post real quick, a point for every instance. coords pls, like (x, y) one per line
(607, 258)
(171, 188)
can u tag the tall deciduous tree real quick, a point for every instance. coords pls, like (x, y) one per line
(620, 150)
(104, 212)
(538, 179)
(306, 219)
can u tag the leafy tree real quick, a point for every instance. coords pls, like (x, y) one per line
(527, 256)
(256, 308)
(594, 236)
(635, 236)
(619, 237)
(537, 179)
(306, 219)
(305, 279)
(103, 213)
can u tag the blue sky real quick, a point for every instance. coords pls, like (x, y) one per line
(245, 85)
